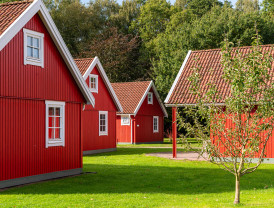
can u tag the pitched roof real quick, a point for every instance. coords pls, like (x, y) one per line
(86, 65)
(83, 64)
(14, 16)
(132, 95)
(209, 62)
(9, 12)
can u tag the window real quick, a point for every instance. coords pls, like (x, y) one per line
(150, 98)
(155, 124)
(125, 120)
(93, 83)
(33, 48)
(55, 124)
(103, 123)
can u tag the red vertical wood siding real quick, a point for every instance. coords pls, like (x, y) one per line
(144, 132)
(23, 91)
(151, 109)
(144, 118)
(269, 151)
(22, 143)
(53, 82)
(123, 132)
(103, 102)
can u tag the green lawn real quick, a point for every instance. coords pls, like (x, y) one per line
(166, 143)
(128, 178)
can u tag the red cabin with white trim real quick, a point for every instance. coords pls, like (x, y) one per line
(142, 120)
(208, 60)
(99, 122)
(41, 98)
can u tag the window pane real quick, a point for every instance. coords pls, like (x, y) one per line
(51, 133)
(57, 133)
(102, 116)
(36, 42)
(35, 53)
(51, 111)
(30, 52)
(51, 121)
(103, 128)
(57, 111)
(30, 41)
(57, 122)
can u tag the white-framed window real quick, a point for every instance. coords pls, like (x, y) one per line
(155, 124)
(150, 98)
(125, 120)
(93, 83)
(33, 48)
(55, 124)
(103, 123)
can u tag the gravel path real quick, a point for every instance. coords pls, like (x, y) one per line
(193, 156)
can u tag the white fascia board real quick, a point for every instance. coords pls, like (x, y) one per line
(177, 77)
(38, 7)
(17, 25)
(126, 114)
(151, 85)
(103, 74)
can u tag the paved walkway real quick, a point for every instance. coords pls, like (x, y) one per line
(193, 156)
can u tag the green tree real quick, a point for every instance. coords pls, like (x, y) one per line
(128, 12)
(268, 6)
(118, 54)
(248, 5)
(201, 7)
(251, 87)
(154, 16)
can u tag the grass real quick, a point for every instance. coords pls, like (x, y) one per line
(167, 143)
(128, 178)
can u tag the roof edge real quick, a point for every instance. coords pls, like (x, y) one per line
(38, 7)
(151, 85)
(177, 77)
(96, 61)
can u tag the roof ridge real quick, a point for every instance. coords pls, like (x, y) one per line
(16, 2)
(218, 49)
(78, 59)
(131, 82)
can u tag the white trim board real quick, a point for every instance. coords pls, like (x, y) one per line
(38, 7)
(103, 74)
(151, 85)
(177, 77)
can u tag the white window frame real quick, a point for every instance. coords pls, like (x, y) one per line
(157, 130)
(30, 60)
(122, 121)
(96, 78)
(150, 98)
(103, 133)
(56, 142)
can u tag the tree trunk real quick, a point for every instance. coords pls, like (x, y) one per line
(237, 190)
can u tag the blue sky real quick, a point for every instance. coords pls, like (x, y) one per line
(172, 1)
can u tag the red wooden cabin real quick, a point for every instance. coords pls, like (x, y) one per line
(99, 122)
(208, 60)
(142, 120)
(41, 98)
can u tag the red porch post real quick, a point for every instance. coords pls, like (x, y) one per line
(174, 131)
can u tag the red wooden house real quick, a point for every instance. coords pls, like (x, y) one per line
(99, 122)
(41, 98)
(142, 120)
(208, 60)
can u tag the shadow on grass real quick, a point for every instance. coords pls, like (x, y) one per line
(158, 177)
(137, 151)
